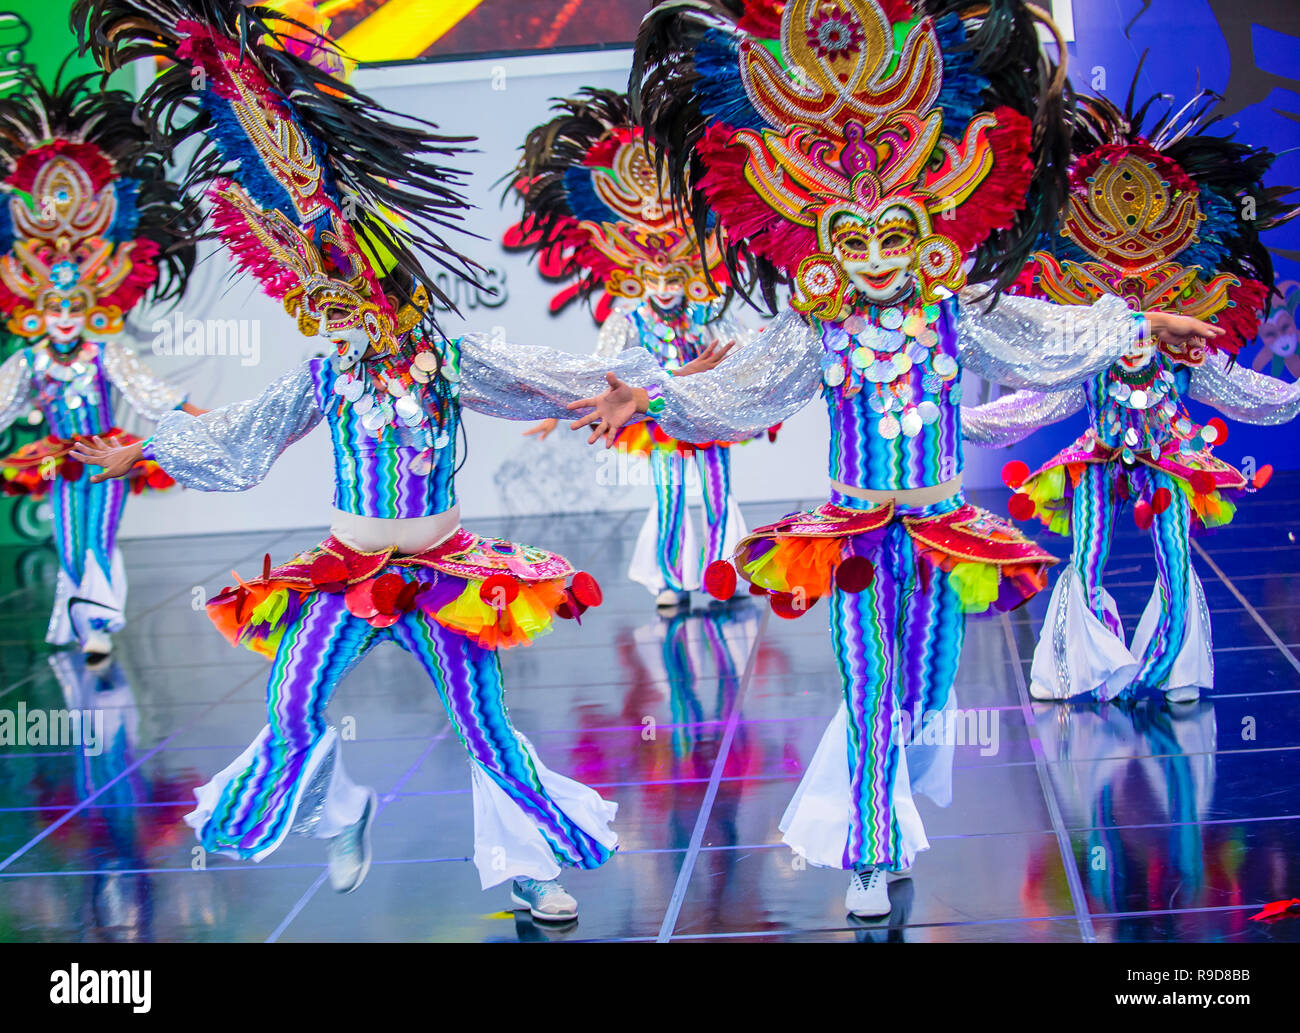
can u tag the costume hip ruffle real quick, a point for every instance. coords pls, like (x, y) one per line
(988, 561)
(495, 592)
(1211, 485)
(31, 470)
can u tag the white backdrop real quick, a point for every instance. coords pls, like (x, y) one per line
(498, 101)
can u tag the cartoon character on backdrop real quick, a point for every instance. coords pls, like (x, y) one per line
(877, 157)
(1279, 343)
(1167, 216)
(89, 226)
(598, 216)
(334, 204)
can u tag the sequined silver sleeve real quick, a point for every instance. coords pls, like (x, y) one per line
(617, 333)
(764, 381)
(1016, 415)
(233, 448)
(144, 391)
(1025, 342)
(1242, 394)
(528, 382)
(15, 388)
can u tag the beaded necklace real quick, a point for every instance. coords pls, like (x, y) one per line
(396, 395)
(73, 371)
(877, 349)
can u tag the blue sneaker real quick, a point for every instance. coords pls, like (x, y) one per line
(546, 901)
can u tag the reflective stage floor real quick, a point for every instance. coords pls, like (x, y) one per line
(1119, 823)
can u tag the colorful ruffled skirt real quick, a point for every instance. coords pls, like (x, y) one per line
(31, 470)
(1210, 484)
(803, 556)
(495, 592)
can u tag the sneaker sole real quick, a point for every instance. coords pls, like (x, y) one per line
(541, 916)
(368, 816)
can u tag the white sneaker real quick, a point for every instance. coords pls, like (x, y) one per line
(1039, 691)
(868, 895)
(1183, 694)
(545, 900)
(97, 645)
(349, 851)
(669, 599)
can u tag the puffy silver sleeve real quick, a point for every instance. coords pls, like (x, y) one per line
(144, 391)
(1014, 416)
(617, 333)
(764, 381)
(529, 382)
(15, 388)
(233, 448)
(1242, 394)
(1025, 342)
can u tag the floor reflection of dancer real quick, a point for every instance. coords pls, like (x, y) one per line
(902, 155)
(1163, 215)
(397, 567)
(597, 212)
(90, 228)
(1121, 771)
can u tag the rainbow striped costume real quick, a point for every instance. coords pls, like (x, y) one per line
(900, 579)
(74, 388)
(664, 555)
(452, 606)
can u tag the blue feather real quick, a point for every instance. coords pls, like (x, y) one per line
(962, 94)
(584, 202)
(1215, 234)
(232, 143)
(128, 215)
(6, 224)
(721, 95)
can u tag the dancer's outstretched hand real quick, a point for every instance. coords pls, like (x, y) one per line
(707, 359)
(1176, 331)
(117, 460)
(541, 429)
(611, 411)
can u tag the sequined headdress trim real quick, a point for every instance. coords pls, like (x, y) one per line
(328, 199)
(791, 117)
(597, 210)
(86, 212)
(1166, 216)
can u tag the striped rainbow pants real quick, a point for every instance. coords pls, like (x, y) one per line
(86, 518)
(897, 644)
(1093, 525)
(257, 806)
(668, 471)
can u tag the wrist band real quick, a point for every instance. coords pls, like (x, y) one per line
(146, 449)
(657, 403)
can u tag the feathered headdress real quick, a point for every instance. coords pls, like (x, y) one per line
(791, 120)
(1166, 216)
(597, 210)
(329, 199)
(87, 211)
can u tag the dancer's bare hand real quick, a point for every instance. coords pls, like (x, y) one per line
(117, 460)
(542, 429)
(1178, 331)
(707, 359)
(611, 411)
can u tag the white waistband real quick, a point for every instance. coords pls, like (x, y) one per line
(926, 496)
(409, 535)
